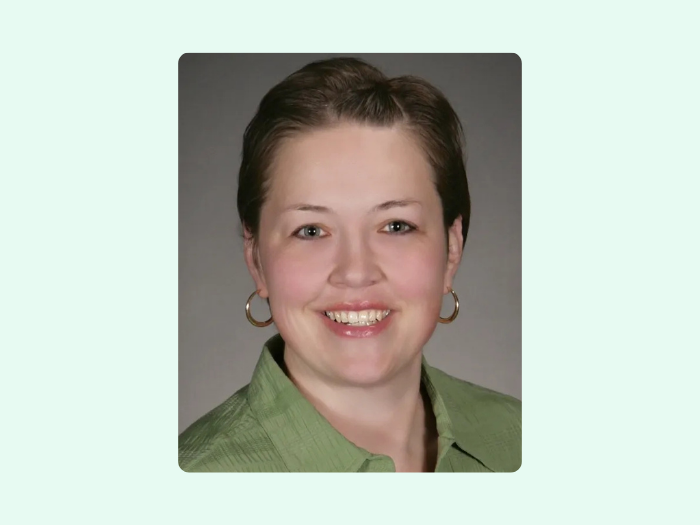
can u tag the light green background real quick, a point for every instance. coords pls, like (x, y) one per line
(89, 280)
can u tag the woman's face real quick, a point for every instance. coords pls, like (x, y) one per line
(353, 223)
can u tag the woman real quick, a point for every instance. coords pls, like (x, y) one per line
(354, 203)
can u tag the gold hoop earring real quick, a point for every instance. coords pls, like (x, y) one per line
(451, 318)
(250, 317)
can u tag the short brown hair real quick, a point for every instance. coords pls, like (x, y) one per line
(326, 92)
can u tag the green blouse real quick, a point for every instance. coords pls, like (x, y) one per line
(268, 426)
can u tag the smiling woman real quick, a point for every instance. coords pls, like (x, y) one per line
(355, 208)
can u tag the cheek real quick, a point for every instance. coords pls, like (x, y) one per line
(417, 273)
(296, 275)
(420, 274)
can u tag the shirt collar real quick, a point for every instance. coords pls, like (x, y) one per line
(465, 416)
(307, 442)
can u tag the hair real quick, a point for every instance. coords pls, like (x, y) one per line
(329, 92)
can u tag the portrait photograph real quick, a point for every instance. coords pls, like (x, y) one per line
(350, 247)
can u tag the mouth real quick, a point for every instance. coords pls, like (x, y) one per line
(356, 324)
(357, 318)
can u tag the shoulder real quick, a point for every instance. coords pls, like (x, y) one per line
(487, 424)
(228, 439)
(500, 413)
(475, 394)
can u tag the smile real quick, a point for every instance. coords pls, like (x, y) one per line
(358, 318)
(356, 324)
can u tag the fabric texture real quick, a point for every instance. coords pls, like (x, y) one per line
(268, 426)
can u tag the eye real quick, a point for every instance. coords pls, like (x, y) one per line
(309, 232)
(399, 227)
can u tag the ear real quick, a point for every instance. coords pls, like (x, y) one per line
(454, 252)
(252, 260)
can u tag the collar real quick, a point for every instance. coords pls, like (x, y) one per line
(307, 442)
(469, 417)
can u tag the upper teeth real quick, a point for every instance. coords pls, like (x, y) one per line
(363, 316)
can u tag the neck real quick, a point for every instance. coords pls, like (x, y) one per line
(394, 418)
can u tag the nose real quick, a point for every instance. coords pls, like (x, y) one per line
(355, 265)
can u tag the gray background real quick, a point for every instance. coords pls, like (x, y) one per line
(218, 95)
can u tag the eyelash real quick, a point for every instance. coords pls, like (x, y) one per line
(409, 228)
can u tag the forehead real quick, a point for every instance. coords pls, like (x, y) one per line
(351, 164)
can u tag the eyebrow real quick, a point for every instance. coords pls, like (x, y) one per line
(397, 203)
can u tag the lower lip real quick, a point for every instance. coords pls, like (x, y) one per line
(345, 330)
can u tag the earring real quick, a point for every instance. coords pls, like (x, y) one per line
(250, 317)
(448, 320)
